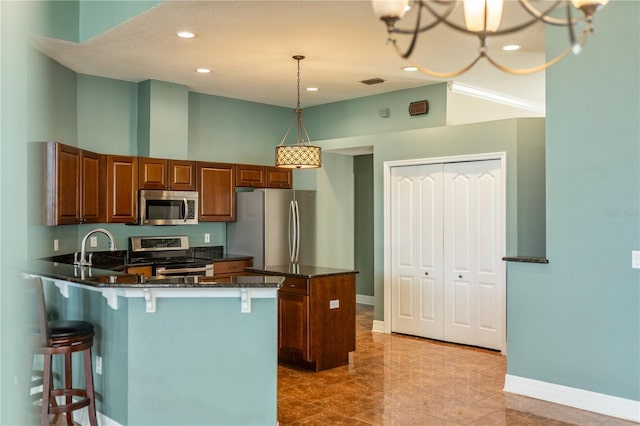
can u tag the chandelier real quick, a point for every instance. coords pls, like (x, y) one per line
(482, 18)
(302, 155)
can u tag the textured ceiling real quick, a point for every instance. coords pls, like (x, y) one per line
(248, 45)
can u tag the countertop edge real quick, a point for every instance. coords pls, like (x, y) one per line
(526, 259)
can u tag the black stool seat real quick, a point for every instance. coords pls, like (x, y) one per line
(69, 328)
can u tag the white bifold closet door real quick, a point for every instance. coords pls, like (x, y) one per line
(447, 252)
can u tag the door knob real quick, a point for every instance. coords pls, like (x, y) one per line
(426, 273)
(459, 276)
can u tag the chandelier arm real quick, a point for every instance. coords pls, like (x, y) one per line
(439, 19)
(544, 16)
(537, 16)
(439, 74)
(287, 133)
(414, 39)
(304, 128)
(544, 66)
(575, 46)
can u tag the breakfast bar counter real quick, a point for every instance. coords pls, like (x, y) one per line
(168, 345)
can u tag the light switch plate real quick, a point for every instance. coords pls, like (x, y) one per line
(334, 304)
(55, 245)
(207, 238)
(635, 259)
(94, 241)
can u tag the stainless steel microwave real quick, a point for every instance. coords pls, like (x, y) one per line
(168, 207)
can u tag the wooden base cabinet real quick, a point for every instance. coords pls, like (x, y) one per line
(316, 321)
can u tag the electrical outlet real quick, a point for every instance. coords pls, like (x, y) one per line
(93, 241)
(55, 245)
(207, 238)
(98, 365)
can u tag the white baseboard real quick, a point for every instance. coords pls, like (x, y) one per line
(378, 326)
(573, 397)
(82, 417)
(364, 299)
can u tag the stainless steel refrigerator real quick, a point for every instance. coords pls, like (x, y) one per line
(275, 226)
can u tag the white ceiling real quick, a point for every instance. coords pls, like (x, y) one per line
(249, 45)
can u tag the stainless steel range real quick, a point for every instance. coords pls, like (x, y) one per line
(169, 256)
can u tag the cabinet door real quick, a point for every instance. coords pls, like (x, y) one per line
(64, 184)
(250, 175)
(217, 196)
(93, 188)
(122, 189)
(279, 177)
(293, 326)
(182, 175)
(153, 173)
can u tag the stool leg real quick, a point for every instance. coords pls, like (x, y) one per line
(88, 374)
(68, 384)
(46, 390)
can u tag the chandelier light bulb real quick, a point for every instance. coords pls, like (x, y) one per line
(390, 8)
(476, 12)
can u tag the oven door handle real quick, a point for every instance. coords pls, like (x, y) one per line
(166, 271)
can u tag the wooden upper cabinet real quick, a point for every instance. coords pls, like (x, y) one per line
(93, 187)
(250, 175)
(216, 192)
(122, 189)
(254, 176)
(153, 173)
(160, 173)
(279, 177)
(182, 175)
(75, 185)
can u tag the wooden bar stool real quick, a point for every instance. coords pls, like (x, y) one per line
(64, 337)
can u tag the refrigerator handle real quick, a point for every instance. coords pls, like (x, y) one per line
(292, 231)
(297, 234)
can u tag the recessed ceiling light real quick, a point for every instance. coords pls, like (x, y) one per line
(203, 70)
(312, 89)
(185, 34)
(410, 68)
(511, 47)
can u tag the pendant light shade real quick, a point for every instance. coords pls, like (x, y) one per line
(302, 155)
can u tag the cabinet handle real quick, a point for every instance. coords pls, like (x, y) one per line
(426, 273)
(459, 276)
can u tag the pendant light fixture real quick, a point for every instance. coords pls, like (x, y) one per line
(302, 155)
(482, 19)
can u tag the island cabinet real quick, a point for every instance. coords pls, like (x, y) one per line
(226, 270)
(164, 174)
(216, 192)
(316, 320)
(254, 176)
(122, 188)
(76, 185)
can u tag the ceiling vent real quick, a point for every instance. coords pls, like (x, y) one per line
(371, 81)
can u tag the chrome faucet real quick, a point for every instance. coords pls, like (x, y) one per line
(83, 261)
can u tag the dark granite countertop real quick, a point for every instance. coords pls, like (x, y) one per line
(96, 277)
(295, 270)
(525, 259)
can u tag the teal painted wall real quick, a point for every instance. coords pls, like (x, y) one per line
(107, 115)
(576, 321)
(363, 223)
(361, 116)
(234, 131)
(163, 127)
(150, 365)
(97, 16)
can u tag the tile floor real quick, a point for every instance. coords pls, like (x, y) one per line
(400, 380)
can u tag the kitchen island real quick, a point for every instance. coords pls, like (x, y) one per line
(316, 315)
(177, 351)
